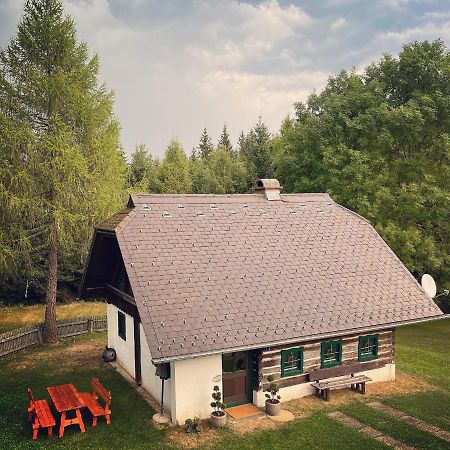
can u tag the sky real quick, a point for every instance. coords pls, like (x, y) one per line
(178, 66)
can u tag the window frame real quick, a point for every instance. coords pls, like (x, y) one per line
(122, 325)
(290, 372)
(373, 338)
(324, 347)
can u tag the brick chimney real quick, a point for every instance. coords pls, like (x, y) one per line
(269, 187)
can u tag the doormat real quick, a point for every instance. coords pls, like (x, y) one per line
(243, 411)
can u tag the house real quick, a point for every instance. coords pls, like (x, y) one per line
(228, 289)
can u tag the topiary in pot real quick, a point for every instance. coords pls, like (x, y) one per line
(218, 417)
(273, 405)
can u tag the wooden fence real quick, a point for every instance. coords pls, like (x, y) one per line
(21, 338)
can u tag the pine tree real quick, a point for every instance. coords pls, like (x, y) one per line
(224, 141)
(205, 146)
(256, 148)
(62, 168)
(261, 156)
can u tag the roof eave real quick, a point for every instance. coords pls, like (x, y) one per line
(303, 339)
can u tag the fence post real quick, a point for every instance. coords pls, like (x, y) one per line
(91, 325)
(39, 331)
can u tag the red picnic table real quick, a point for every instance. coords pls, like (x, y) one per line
(66, 398)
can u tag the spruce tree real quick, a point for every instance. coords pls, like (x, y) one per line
(205, 146)
(62, 169)
(224, 141)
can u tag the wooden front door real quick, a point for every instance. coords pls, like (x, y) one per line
(235, 378)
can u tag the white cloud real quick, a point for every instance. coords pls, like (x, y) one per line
(174, 81)
(177, 67)
(338, 24)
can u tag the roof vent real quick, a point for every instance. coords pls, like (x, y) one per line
(180, 206)
(201, 213)
(166, 214)
(270, 187)
(232, 212)
(213, 206)
(146, 207)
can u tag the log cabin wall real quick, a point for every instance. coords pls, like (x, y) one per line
(269, 360)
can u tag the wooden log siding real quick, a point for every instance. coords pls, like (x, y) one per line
(270, 358)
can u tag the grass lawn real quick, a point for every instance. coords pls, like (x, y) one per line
(21, 316)
(77, 360)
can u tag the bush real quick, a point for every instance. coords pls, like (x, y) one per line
(192, 425)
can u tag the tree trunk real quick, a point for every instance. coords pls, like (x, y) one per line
(49, 331)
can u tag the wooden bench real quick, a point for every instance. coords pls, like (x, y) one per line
(326, 380)
(40, 415)
(95, 408)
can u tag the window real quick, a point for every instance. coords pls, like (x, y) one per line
(368, 347)
(331, 354)
(291, 362)
(121, 325)
(234, 362)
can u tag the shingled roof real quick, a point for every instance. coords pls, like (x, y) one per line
(213, 273)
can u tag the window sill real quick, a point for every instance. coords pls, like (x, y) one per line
(330, 364)
(291, 373)
(363, 358)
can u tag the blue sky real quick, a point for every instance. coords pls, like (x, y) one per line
(179, 66)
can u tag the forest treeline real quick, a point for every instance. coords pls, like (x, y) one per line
(378, 142)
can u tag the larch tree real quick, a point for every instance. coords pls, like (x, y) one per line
(62, 168)
(173, 173)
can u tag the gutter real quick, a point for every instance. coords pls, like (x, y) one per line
(302, 339)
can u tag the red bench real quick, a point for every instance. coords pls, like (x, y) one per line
(39, 413)
(95, 408)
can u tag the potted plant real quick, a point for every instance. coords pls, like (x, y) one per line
(273, 405)
(218, 416)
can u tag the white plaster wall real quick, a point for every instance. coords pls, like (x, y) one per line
(124, 349)
(150, 382)
(386, 373)
(192, 385)
(287, 393)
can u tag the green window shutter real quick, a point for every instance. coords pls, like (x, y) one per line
(368, 347)
(291, 362)
(330, 354)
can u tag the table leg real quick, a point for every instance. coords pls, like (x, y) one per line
(62, 425)
(80, 420)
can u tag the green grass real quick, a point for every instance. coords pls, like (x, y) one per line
(432, 407)
(21, 316)
(423, 350)
(131, 426)
(394, 427)
(77, 360)
(314, 432)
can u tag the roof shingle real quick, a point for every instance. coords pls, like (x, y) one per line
(251, 272)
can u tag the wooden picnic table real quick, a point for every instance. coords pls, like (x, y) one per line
(66, 398)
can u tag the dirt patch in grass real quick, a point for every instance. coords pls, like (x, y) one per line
(404, 384)
(254, 424)
(81, 353)
(207, 436)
